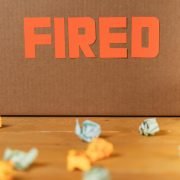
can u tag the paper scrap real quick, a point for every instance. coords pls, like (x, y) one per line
(88, 131)
(97, 173)
(78, 160)
(99, 149)
(149, 127)
(6, 171)
(20, 159)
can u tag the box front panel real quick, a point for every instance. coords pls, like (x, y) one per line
(46, 85)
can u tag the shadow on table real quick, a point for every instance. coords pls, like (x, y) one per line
(162, 133)
(106, 136)
(6, 126)
(37, 165)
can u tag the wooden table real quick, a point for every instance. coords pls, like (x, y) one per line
(135, 157)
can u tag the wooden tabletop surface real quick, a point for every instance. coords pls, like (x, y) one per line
(135, 156)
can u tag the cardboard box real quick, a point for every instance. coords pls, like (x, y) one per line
(46, 85)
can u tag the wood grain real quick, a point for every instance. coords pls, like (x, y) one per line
(135, 157)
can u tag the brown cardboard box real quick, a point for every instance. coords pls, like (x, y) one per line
(88, 86)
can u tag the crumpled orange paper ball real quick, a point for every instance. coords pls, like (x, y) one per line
(99, 149)
(6, 170)
(78, 160)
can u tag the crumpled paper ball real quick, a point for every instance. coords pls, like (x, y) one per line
(149, 127)
(6, 170)
(20, 159)
(97, 173)
(88, 131)
(78, 160)
(99, 149)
